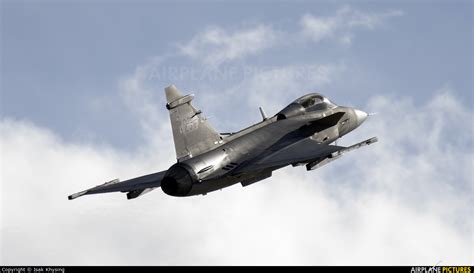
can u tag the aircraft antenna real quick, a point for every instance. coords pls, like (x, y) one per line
(262, 112)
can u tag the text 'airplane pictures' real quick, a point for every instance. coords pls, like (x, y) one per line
(300, 134)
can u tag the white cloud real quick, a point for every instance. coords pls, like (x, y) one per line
(216, 45)
(404, 200)
(343, 24)
(147, 103)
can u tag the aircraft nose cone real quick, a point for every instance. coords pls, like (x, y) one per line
(361, 116)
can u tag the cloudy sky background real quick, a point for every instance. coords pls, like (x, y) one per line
(82, 102)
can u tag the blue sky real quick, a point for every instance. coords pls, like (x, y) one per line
(57, 57)
(82, 101)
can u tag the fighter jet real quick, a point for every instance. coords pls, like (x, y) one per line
(302, 134)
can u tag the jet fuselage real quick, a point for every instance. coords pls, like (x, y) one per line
(222, 166)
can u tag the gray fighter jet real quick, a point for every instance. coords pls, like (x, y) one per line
(300, 134)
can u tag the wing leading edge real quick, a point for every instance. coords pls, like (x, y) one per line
(304, 152)
(134, 187)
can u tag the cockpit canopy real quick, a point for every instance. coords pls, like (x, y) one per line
(308, 103)
(314, 102)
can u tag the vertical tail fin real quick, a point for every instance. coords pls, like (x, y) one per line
(192, 133)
